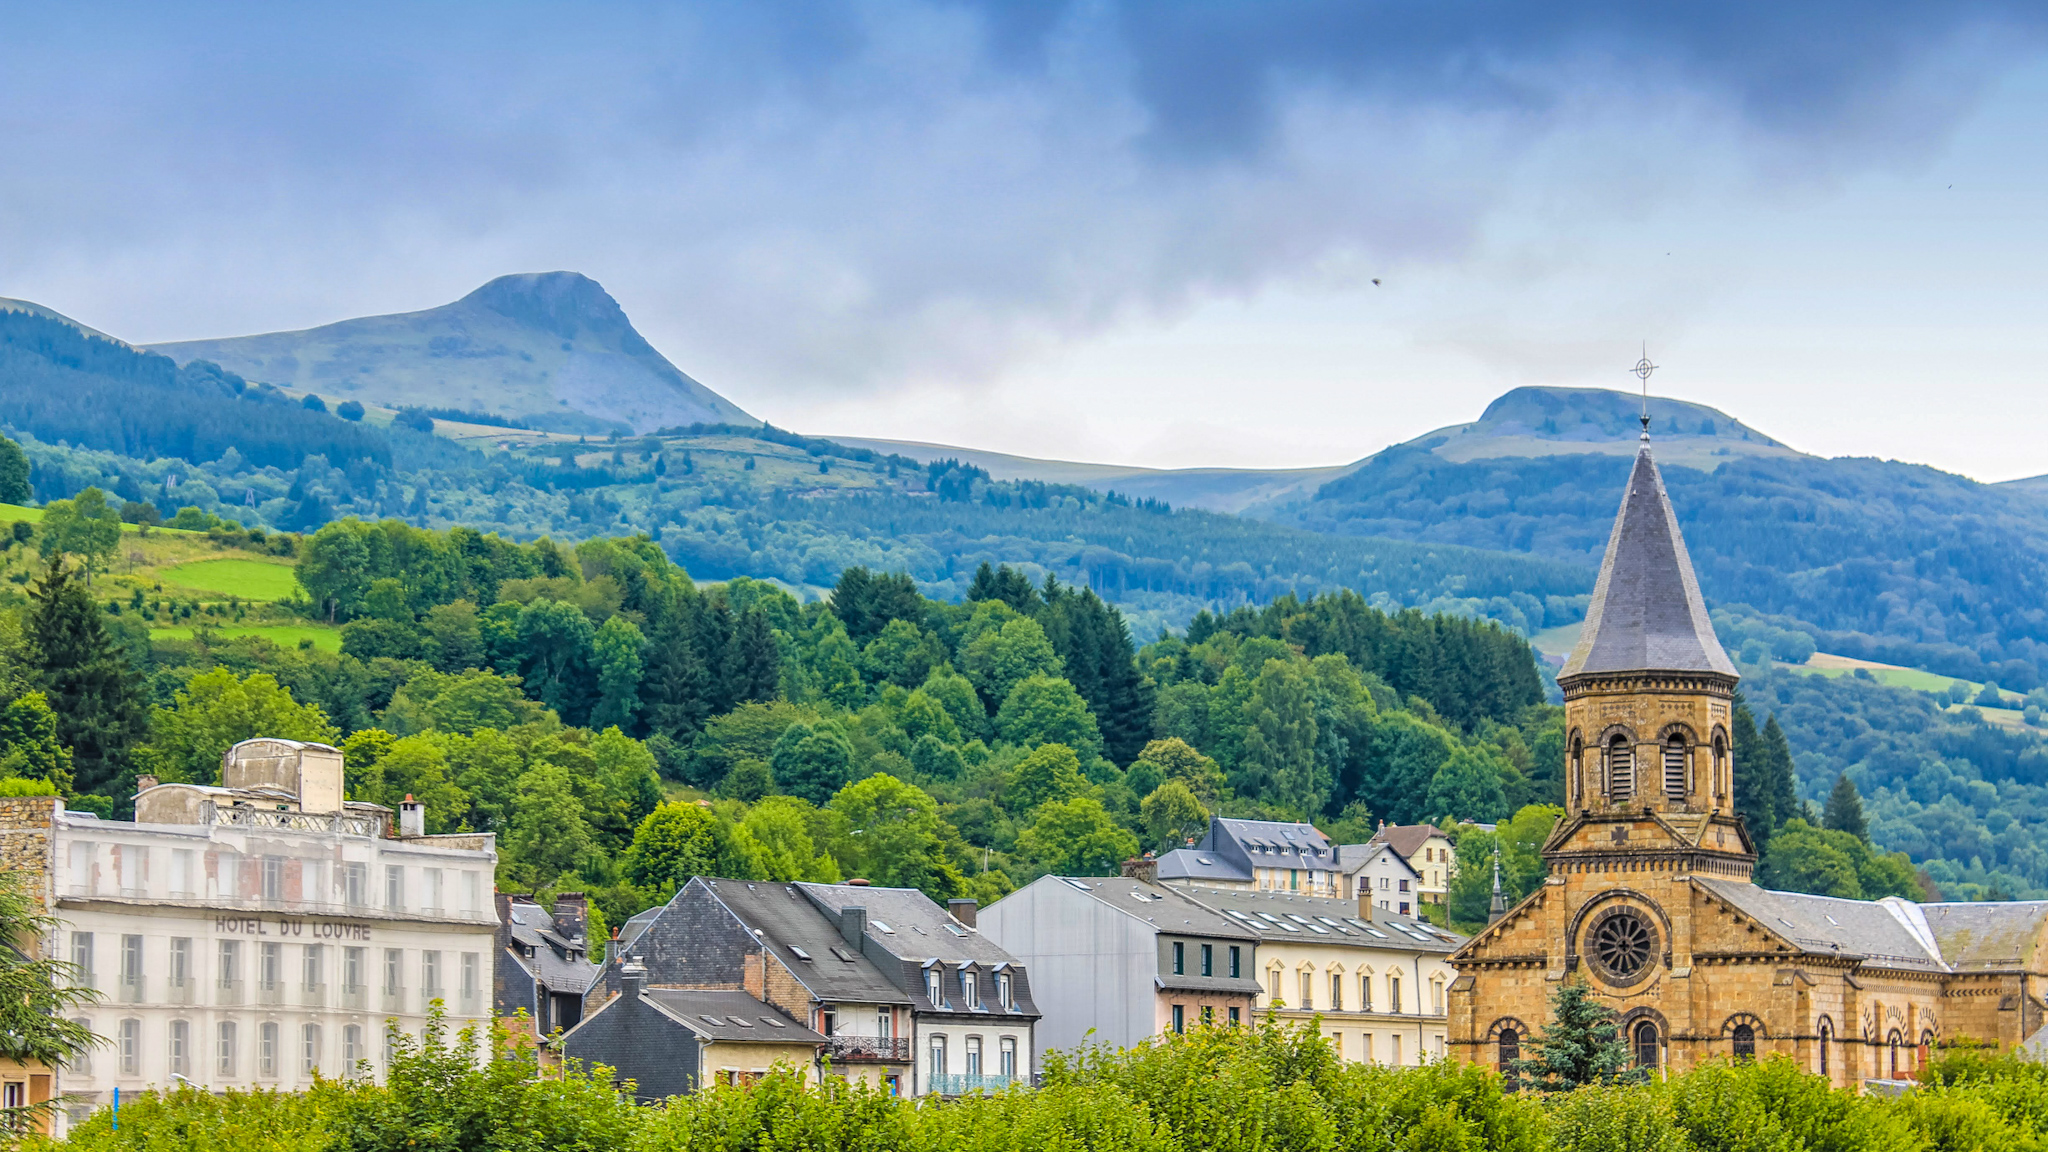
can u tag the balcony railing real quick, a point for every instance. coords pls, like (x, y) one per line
(365, 826)
(961, 1083)
(895, 1050)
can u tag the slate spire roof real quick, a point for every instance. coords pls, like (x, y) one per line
(1647, 614)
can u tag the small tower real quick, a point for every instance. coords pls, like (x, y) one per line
(1499, 908)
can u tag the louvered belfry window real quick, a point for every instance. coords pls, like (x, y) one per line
(1674, 768)
(1621, 770)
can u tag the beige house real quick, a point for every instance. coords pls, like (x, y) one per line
(1428, 851)
(1377, 982)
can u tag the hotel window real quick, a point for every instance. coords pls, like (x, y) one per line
(181, 1048)
(228, 867)
(938, 1057)
(130, 1041)
(394, 976)
(181, 874)
(309, 1049)
(131, 967)
(352, 961)
(973, 1052)
(1180, 1018)
(81, 957)
(470, 963)
(1308, 993)
(394, 887)
(1180, 958)
(469, 893)
(81, 868)
(269, 966)
(132, 863)
(1006, 1056)
(313, 967)
(1236, 965)
(430, 974)
(266, 1050)
(355, 884)
(224, 1050)
(1394, 993)
(273, 879)
(433, 886)
(230, 974)
(1336, 992)
(351, 1048)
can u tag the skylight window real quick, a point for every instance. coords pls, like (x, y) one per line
(800, 953)
(742, 1021)
(713, 1021)
(771, 1021)
(956, 930)
(841, 953)
(884, 929)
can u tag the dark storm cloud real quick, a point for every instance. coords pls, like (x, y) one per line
(846, 193)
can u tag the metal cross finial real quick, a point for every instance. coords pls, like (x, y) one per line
(1642, 372)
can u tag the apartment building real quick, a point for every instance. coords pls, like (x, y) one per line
(1256, 855)
(1376, 981)
(1427, 850)
(261, 932)
(1124, 959)
(1376, 871)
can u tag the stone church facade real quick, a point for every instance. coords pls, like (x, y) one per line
(1649, 896)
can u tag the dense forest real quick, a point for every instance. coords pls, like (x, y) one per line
(1876, 559)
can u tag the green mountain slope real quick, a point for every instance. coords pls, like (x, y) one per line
(551, 348)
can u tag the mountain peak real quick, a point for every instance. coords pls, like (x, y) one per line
(564, 303)
(1549, 421)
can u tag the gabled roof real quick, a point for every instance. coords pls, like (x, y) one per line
(1166, 909)
(1352, 857)
(1977, 937)
(734, 1017)
(1887, 933)
(1647, 613)
(1408, 839)
(784, 922)
(909, 925)
(1278, 843)
(1283, 918)
(1200, 864)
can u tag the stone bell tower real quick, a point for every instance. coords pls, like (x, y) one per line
(1648, 690)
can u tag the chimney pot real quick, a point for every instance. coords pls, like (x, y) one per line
(857, 882)
(412, 818)
(632, 978)
(1364, 899)
(144, 783)
(1144, 869)
(963, 910)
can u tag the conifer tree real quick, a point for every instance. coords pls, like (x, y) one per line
(1581, 1045)
(1752, 776)
(1784, 787)
(89, 683)
(1845, 810)
(753, 660)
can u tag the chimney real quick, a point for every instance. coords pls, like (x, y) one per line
(572, 915)
(853, 923)
(412, 818)
(1364, 900)
(632, 978)
(963, 910)
(144, 783)
(1144, 869)
(857, 882)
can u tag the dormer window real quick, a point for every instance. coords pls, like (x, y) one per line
(1003, 991)
(931, 986)
(970, 988)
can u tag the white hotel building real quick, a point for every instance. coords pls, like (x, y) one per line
(253, 934)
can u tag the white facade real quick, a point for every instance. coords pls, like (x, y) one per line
(1392, 884)
(231, 956)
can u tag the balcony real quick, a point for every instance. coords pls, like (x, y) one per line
(856, 1049)
(961, 1083)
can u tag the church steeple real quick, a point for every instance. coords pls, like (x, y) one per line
(1647, 614)
(1648, 689)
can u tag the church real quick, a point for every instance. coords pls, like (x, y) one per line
(1648, 896)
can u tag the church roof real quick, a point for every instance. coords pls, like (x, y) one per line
(1894, 933)
(1647, 614)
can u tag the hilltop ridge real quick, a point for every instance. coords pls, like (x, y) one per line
(552, 349)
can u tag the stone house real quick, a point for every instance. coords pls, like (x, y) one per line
(672, 1041)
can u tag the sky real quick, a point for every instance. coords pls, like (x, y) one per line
(1270, 234)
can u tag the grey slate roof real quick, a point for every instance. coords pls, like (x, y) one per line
(1166, 909)
(1352, 857)
(1976, 937)
(1647, 613)
(916, 927)
(1328, 921)
(783, 920)
(1887, 933)
(1274, 843)
(714, 1016)
(555, 961)
(1198, 864)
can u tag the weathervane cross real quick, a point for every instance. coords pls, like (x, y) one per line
(1642, 372)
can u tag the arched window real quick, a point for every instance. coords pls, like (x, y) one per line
(1894, 1043)
(1827, 1038)
(1745, 1042)
(1674, 767)
(1723, 785)
(1621, 770)
(1578, 769)
(1510, 1049)
(1646, 1044)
